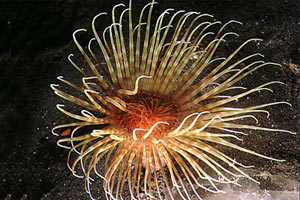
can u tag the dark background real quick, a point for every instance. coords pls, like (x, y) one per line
(35, 40)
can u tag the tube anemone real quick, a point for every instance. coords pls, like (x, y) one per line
(162, 102)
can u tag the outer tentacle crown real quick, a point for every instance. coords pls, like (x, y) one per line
(161, 94)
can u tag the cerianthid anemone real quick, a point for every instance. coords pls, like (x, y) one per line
(162, 101)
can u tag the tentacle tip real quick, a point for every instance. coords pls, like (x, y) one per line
(102, 13)
(235, 34)
(121, 4)
(91, 91)
(53, 86)
(78, 30)
(53, 133)
(209, 15)
(63, 146)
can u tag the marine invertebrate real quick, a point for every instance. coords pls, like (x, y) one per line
(159, 102)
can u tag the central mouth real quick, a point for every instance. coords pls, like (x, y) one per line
(145, 111)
